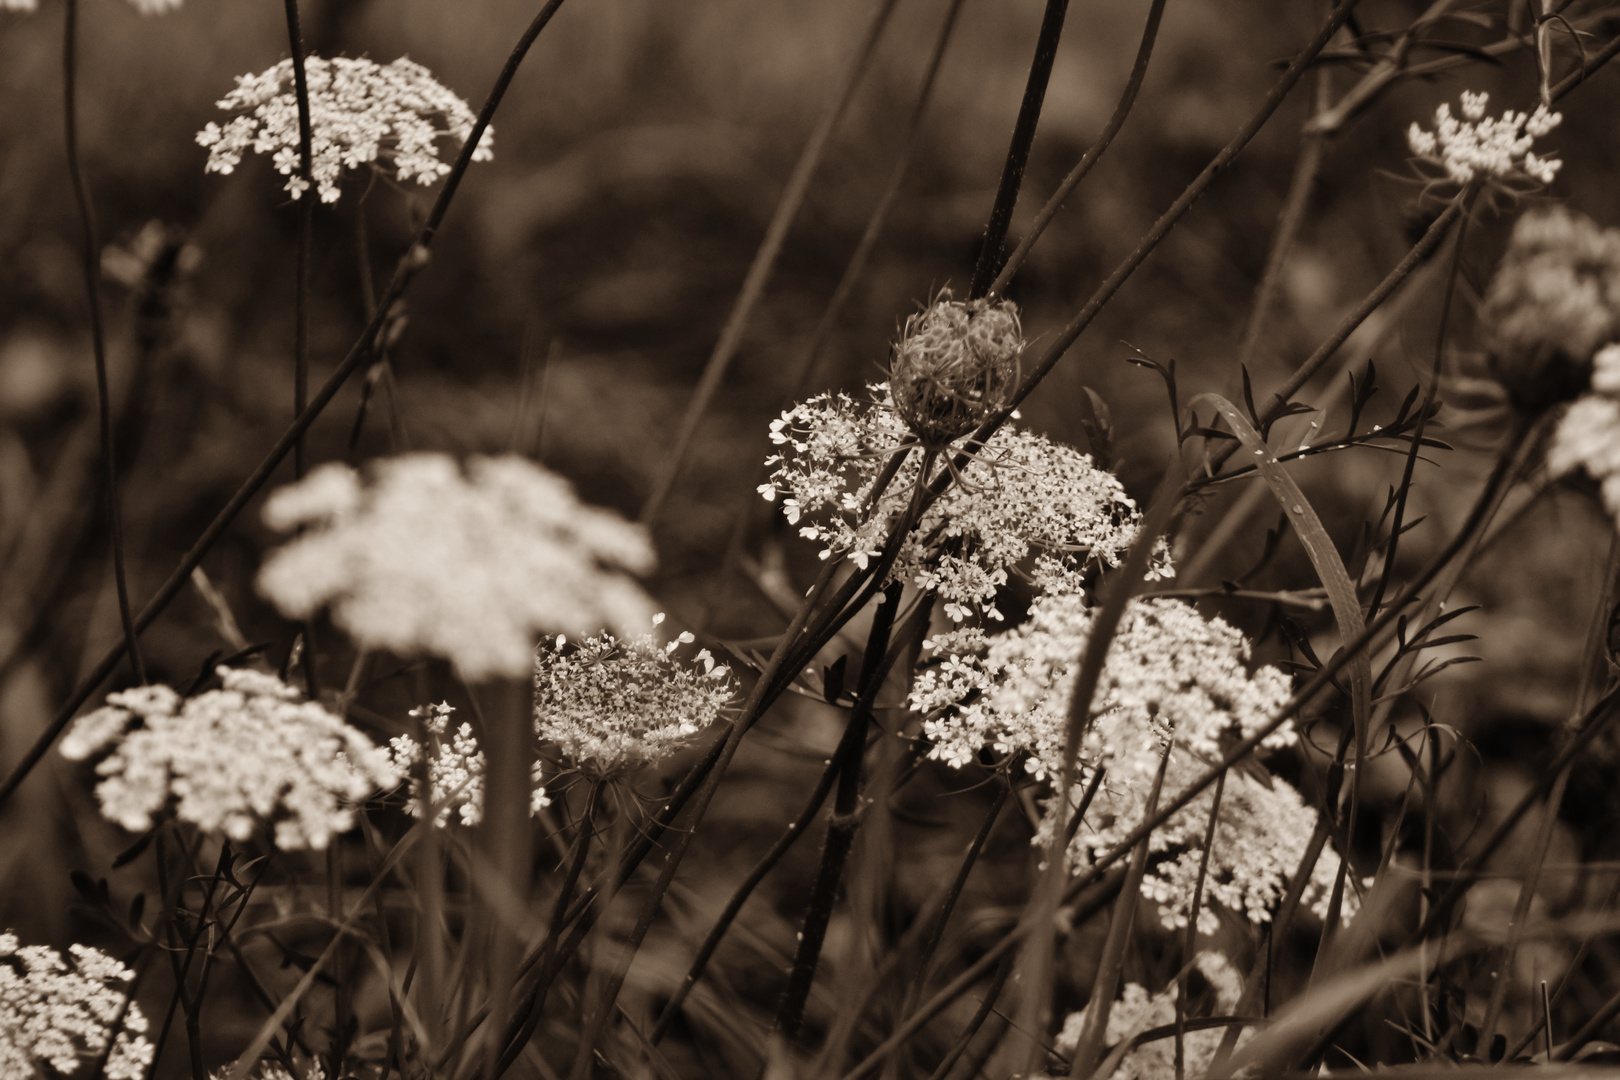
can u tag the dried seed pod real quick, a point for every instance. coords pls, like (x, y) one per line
(955, 364)
(1553, 303)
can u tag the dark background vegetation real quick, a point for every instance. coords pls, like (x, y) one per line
(637, 160)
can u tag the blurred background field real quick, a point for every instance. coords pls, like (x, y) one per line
(579, 285)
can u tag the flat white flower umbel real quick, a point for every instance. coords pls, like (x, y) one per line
(1021, 495)
(1478, 146)
(611, 705)
(425, 558)
(1172, 679)
(229, 759)
(361, 113)
(60, 1013)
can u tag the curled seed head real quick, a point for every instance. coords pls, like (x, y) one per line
(954, 365)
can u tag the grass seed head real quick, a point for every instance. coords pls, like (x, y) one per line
(955, 364)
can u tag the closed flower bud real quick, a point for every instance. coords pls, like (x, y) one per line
(1554, 302)
(955, 364)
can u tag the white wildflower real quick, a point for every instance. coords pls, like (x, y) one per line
(361, 113)
(1479, 146)
(1139, 1011)
(468, 566)
(1170, 675)
(609, 704)
(229, 759)
(60, 1013)
(145, 7)
(455, 768)
(1021, 495)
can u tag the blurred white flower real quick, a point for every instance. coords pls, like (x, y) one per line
(229, 759)
(611, 705)
(1480, 146)
(361, 112)
(1170, 675)
(468, 566)
(1139, 1011)
(455, 768)
(1021, 495)
(60, 1013)
(145, 7)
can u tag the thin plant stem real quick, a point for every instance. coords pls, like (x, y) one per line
(415, 258)
(1023, 139)
(1295, 203)
(90, 264)
(1110, 964)
(1189, 946)
(975, 1022)
(843, 824)
(854, 272)
(759, 271)
(306, 229)
(1168, 220)
(739, 896)
(1093, 154)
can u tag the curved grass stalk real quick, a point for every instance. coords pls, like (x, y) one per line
(1023, 139)
(415, 258)
(90, 264)
(1093, 154)
(759, 271)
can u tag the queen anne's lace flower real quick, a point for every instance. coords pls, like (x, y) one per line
(471, 567)
(455, 768)
(1479, 146)
(57, 1013)
(1553, 302)
(1171, 676)
(1138, 1011)
(611, 704)
(229, 759)
(954, 365)
(361, 112)
(1021, 495)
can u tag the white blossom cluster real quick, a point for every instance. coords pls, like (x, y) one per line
(1171, 677)
(145, 7)
(1588, 436)
(230, 759)
(471, 566)
(610, 705)
(60, 1013)
(1021, 495)
(455, 768)
(361, 113)
(1138, 1010)
(1478, 145)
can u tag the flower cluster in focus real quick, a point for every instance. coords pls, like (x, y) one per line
(1553, 302)
(1478, 146)
(610, 705)
(472, 566)
(1138, 1011)
(361, 112)
(1173, 682)
(229, 759)
(954, 365)
(454, 767)
(60, 1013)
(1021, 495)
